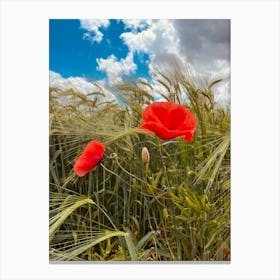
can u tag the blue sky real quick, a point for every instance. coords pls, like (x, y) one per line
(110, 51)
(71, 54)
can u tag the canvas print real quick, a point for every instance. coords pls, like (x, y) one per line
(139, 140)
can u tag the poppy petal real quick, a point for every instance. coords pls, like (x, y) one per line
(90, 157)
(177, 117)
(161, 131)
(189, 136)
(189, 122)
(154, 113)
(169, 120)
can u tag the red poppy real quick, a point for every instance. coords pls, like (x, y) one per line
(169, 120)
(225, 250)
(90, 157)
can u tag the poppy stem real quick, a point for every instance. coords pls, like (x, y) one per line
(163, 163)
(151, 188)
(130, 174)
(147, 170)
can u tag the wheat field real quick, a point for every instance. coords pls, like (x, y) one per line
(176, 207)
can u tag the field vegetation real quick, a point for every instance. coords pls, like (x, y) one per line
(176, 207)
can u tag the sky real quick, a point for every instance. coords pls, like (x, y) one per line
(109, 51)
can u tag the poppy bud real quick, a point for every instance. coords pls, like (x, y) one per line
(145, 155)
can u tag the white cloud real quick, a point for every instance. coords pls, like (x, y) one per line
(78, 84)
(159, 38)
(201, 46)
(139, 42)
(92, 26)
(222, 92)
(135, 24)
(115, 69)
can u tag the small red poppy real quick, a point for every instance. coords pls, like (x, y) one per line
(225, 250)
(169, 120)
(89, 158)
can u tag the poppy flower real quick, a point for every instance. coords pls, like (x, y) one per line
(169, 120)
(89, 158)
(225, 250)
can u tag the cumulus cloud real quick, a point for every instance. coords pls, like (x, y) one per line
(92, 26)
(206, 46)
(139, 42)
(199, 42)
(202, 46)
(115, 68)
(137, 24)
(78, 84)
(158, 38)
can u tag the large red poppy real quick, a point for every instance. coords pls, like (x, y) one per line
(90, 157)
(169, 120)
